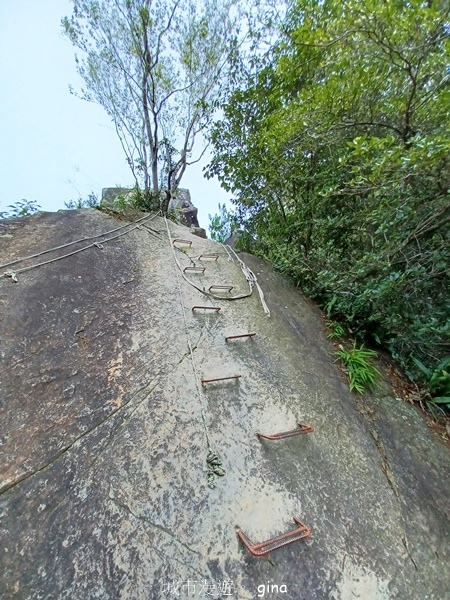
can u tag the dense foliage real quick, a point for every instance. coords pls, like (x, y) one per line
(337, 152)
(223, 225)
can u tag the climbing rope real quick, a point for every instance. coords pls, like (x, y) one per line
(213, 461)
(13, 274)
(201, 290)
(251, 278)
(85, 239)
(230, 258)
(249, 275)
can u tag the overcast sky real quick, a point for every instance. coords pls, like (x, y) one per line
(54, 146)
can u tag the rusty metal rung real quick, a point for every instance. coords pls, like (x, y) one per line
(194, 269)
(213, 256)
(242, 335)
(227, 288)
(220, 379)
(285, 434)
(301, 533)
(180, 241)
(214, 308)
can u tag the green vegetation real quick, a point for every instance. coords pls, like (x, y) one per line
(158, 69)
(336, 149)
(336, 330)
(437, 383)
(21, 208)
(137, 200)
(223, 225)
(361, 372)
(91, 201)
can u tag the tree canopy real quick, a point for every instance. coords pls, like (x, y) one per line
(337, 152)
(158, 69)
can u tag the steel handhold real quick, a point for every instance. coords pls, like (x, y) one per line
(194, 269)
(220, 379)
(242, 335)
(180, 241)
(226, 288)
(301, 533)
(212, 256)
(285, 434)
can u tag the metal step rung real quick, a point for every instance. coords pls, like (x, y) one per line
(286, 434)
(214, 308)
(194, 269)
(213, 256)
(220, 379)
(242, 335)
(225, 288)
(301, 533)
(180, 241)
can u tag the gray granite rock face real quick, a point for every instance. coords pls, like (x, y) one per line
(105, 427)
(182, 205)
(199, 232)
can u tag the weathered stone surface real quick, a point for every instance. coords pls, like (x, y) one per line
(199, 232)
(182, 205)
(234, 237)
(103, 489)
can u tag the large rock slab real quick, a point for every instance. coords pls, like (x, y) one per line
(182, 205)
(103, 442)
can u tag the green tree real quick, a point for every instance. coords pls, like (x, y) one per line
(222, 225)
(338, 150)
(158, 69)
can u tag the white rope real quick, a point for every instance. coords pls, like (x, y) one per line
(249, 275)
(202, 290)
(85, 239)
(13, 274)
(194, 368)
(230, 258)
(213, 460)
(252, 280)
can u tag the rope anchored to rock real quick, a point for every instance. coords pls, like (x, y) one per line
(13, 274)
(249, 275)
(213, 460)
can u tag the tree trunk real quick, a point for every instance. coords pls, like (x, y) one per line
(166, 202)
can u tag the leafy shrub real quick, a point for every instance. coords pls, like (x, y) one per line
(222, 225)
(343, 187)
(361, 372)
(437, 382)
(137, 200)
(22, 208)
(336, 330)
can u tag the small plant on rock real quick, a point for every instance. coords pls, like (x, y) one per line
(361, 372)
(336, 330)
(21, 208)
(90, 202)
